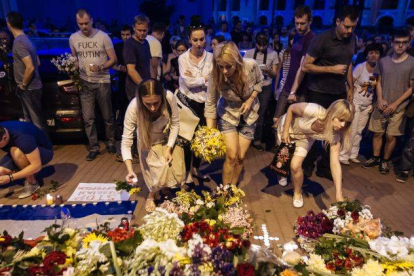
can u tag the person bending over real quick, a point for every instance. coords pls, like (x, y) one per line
(28, 148)
(306, 122)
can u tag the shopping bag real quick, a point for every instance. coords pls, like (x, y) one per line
(281, 161)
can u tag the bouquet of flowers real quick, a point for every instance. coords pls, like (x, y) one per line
(208, 143)
(161, 225)
(68, 65)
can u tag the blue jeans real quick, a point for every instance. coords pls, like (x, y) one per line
(31, 101)
(100, 92)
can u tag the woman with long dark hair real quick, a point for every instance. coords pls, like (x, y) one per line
(161, 161)
(195, 68)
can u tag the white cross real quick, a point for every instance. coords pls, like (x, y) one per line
(265, 238)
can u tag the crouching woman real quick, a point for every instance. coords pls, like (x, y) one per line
(153, 114)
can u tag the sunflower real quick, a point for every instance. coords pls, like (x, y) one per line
(93, 237)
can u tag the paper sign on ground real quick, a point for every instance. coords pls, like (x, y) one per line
(98, 192)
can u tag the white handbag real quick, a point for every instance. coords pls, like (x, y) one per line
(188, 121)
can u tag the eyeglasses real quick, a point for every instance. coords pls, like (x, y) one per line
(401, 43)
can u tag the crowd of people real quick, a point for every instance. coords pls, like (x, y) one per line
(328, 87)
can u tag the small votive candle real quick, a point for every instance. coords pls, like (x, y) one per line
(135, 180)
(58, 199)
(49, 199)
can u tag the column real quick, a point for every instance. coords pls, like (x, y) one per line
(215, 12)
(228, 13)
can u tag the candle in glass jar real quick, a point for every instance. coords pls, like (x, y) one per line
(49, 199)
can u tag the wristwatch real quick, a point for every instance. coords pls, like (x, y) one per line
(24, 86)
(292, 93)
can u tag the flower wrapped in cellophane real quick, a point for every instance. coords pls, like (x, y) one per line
(208, 143)
(68, 65)
(161, 225)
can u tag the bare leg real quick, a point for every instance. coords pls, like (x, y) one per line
(377, 144)
(389, 146)
(21, 161)
(232, 146)
(241, 154)
(297, 175)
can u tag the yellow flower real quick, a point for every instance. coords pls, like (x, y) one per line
(289, 272)
(394, 267)
(93, 237)
(207, 267)
(134, 191)
(211, 222)
(181, 259)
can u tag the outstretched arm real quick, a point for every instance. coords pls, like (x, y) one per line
(336, 169)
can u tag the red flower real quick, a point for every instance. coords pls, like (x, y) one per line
(54, 258)
(35, 196)
(348, 264)
(245, 269)
(6, 242)
(5, 269)
(331, 266)
(339, 262)
(246, 243)
(355, 216)
(37, 270)
(341, 213)
(327, 226)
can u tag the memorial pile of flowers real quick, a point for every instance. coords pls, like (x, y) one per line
(208, 234)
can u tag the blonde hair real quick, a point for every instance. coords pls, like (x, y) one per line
(229, 53)
(342, 110)
(150, 87)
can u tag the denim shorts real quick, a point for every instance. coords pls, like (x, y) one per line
(46, 155)
(243, 128)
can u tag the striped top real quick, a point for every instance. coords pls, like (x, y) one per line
(285, 70)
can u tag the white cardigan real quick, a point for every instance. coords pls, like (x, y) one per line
(157, 134)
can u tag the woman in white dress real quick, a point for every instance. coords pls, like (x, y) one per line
(306, 122)
(161, 161)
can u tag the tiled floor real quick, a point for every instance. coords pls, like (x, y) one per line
(268, 202)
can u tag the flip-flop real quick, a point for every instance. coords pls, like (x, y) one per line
(206, 177)
(150, 205)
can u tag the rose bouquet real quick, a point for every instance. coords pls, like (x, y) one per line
(208, 143)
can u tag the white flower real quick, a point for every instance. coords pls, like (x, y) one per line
(371, 268)
(317, 264)
(199, 202)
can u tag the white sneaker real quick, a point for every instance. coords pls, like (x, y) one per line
(28, 190)
(354, 160)
(344, 162)
(283, 181)
(298, 203)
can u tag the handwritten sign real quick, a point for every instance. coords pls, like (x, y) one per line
(98, 192)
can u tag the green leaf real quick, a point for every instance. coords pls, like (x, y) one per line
(237, 230)
(106, 250)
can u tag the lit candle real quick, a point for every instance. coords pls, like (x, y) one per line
(49, 199)
(135, 180)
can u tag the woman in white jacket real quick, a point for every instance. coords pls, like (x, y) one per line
(153, 114)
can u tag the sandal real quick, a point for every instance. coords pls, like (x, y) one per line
(150, 205)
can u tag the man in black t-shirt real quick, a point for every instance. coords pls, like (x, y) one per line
(137, 56)
(329, 65)
(28, 149)
(121, 100)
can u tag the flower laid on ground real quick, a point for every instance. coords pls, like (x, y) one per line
(131, 189)
(230, 194)
(68, 64)
(371, 268)
(313, 225)
(238, 217)
(93, 237)
(208, 143)
(161, 225)
(394, 248)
